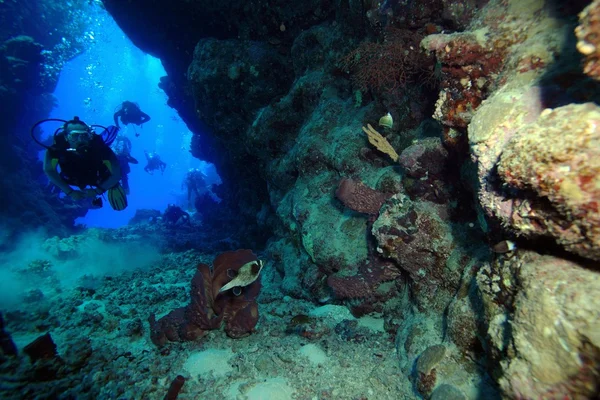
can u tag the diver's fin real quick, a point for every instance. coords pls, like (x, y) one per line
(117, 198)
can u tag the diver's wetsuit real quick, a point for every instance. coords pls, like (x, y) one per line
(124, 161)
(174, 213)
(153, 163)
(194, 182)
(84, 166)
(79, 157)
(130, 113)
(122, 148)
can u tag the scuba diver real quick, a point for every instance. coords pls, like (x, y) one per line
(86, 162)
(122, 149)
(195, 183)
(130, 113)
(173, 214)
(153, 163)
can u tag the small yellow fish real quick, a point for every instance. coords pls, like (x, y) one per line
(247, 274)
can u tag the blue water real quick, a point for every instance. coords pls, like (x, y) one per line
(94, 84)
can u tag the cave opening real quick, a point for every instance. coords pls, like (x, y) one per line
(93, 86)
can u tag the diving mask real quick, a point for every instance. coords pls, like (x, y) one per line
(79, 137)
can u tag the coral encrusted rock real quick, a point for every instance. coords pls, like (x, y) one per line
(588, 39)
(558, 159)
(555, 329)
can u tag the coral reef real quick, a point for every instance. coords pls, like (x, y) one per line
(588, 42)
(388, 66)
(520, 86)
(425, 368)
(427, 166)
(42, 348)
(175, 388)
(102, 360)
(374, 284)
(557, 157)
(551, 348)
(470, 63)
(420, 239)
(430, 14)
(551, 204)
(6, 343)
(143, 216)
(276, 95)
(358, 197)
(447, 392)
(30, 62)
(231, 80)
(191, 40)
(424, 159)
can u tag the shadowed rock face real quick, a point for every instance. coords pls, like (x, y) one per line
(262, 89)
(225, 61)
(281, 120)
(30, 62)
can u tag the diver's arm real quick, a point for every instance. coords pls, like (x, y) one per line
(127, 145)
(144, 117)
(115, 173)
(116, 117)
(50, 168)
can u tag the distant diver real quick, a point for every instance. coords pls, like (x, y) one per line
(130, 113)
(153, 162)
(174, 214)
(85, 160)
(122, 149)
(195, 181)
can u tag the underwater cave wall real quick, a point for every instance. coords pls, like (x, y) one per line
(36, 38)
(406, 229)
(225, 61)
(283, 117)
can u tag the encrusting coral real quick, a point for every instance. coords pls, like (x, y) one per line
(553, 348)
(381, 143)
(558, 158)
(588, 39)
(359, 197)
